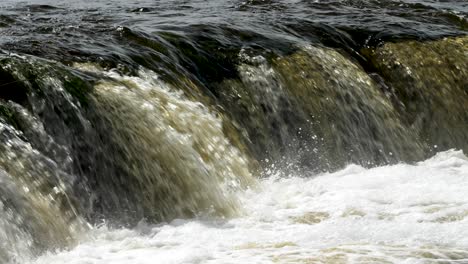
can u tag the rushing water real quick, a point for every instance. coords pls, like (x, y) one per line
(258, 131)
(391, 214)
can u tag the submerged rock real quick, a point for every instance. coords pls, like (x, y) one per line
(430, 79)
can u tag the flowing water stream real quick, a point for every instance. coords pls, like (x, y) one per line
(259, 131)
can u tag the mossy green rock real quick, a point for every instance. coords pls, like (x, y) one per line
(22, 76)
(8, 115)
(431, 81)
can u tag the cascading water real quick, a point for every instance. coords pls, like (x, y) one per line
(233, 132)
(180, 161)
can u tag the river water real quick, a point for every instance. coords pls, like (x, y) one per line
(258, 131)
(391, 214)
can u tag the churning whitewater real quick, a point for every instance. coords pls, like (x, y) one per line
(391, 214)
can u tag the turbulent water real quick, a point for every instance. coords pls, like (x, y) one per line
(391, 214)
(259, 131)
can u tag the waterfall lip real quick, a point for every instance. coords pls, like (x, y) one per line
(87, 30)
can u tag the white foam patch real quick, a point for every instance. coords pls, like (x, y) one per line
(392, 214)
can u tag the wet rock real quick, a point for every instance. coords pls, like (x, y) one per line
(311, 218)
(431, 81)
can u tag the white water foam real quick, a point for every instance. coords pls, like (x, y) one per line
(391, 214)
